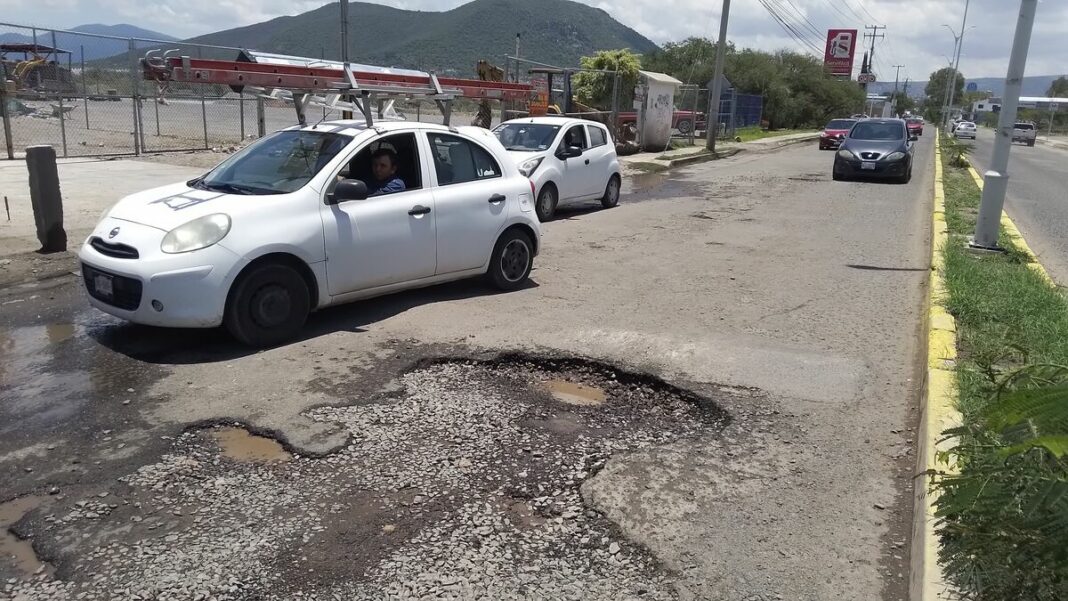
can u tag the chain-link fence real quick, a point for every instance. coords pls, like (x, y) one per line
(737, 111)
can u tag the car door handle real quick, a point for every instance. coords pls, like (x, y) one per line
(419, 210)
(587, 161)
(496, 198)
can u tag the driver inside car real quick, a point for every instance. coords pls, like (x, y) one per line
(384, 169)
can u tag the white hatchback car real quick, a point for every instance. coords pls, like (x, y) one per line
(288, 225)
(965, 129)
(567, 159)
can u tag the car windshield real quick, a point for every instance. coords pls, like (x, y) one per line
(526, 137)
(875, 130)
(840, 124)
(280, 163)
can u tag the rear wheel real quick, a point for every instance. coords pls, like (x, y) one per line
(1030, 142)
(512, 260)
(545, 207)
(268, 305)
(685, 126)
(611, 193)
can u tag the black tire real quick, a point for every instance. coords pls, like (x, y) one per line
(837, 177)
(611, 192)
(268, 305)
(1030, 142)
(684, 126)
(545, 207)
(512, 260)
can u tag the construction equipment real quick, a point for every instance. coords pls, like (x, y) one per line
(367, 89)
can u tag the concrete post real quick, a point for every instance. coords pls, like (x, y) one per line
(996, 180)
(7, 119)
(261, 117)
(45, 198)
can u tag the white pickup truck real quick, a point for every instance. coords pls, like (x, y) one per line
(1024, 132)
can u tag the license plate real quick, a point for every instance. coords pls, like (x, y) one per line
(102, 284)
(868, 165)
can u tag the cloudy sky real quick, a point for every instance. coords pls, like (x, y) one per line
(914, 35)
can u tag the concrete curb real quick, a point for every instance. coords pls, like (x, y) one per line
(938, 408)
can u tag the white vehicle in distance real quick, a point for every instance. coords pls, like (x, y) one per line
(293, 223)
(965, 129)
(568, 160)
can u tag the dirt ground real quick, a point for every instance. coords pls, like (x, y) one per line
(708, 392)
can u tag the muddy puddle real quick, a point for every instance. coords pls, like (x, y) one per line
(574, 393)
(14, 551)
(242, 446)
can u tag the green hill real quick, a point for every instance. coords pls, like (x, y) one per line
(553, 31)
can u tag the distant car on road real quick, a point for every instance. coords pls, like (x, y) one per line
(567, 160)
(915, 125)
(1024, 131)
(683, 121)
(965, 129)
(834, 132)
(310, 217)
(880, 148)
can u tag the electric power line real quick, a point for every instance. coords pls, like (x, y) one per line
(803, 40)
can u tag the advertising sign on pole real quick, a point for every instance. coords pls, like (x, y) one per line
(838, 56)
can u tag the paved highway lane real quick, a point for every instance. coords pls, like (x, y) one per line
(1037, 199)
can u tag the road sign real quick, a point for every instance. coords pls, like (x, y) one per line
(973, 87)
(866, 78)
(838, 54)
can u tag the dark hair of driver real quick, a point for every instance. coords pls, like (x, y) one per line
(385, 152)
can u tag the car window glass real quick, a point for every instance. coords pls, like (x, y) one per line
(280, 163)
(402, 145)
(840, 124)
(1024, 126)
(869, 130)
(527, 137)
(457, 160)
(598, 136)
(576, 136)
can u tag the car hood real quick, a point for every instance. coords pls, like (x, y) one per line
(519, 157)
(882, 147)
(167, 207)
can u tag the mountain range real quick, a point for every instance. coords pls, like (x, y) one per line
(1034, 85)
(94, 48)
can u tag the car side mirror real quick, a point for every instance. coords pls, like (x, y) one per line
(570, 152)
(348, 189)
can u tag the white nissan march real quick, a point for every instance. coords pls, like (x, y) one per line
(293, 223)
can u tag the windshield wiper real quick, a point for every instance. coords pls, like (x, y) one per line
(521, 148)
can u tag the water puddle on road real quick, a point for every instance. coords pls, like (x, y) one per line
(59, 332)
(240, 445)
(641, 182)
(13, 550)
(573, 393)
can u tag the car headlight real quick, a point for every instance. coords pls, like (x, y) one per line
(845, 154)
(530, 165)
(197, 234)
(895, 156)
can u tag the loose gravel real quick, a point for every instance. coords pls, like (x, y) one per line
(464, 484)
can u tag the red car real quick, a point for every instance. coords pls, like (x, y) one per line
(835, 132)
(915, 126)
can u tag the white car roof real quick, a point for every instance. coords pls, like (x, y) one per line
(550, 120)
(353, 127)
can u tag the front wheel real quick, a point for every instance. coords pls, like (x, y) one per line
(685, 126)
(512, 260)
(268, 305)
(545, 207)
(611, 193)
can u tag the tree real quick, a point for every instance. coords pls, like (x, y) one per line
(595, 89)
(936, 88)
(903, 102)
(690, 61)
(1059, 88)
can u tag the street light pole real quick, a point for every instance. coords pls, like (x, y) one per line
(712, 120)
(996, 180)
(956, 63)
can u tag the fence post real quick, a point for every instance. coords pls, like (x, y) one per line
(7, 121)
(203, 108)
(615, 107)
(85, 90)
(158, 97)
(133, 97)
(261, 117)
(241, 105)
(62, 118)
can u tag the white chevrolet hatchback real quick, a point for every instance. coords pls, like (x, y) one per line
(298, 221)
(567, 159)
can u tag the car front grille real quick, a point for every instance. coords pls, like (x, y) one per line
(113, 249)
(870, 156)
(125, 292)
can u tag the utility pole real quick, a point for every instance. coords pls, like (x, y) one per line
(897, 76)
(345, 31)
(956, 63)
(717, 78)
(874, 35)
(996, 180)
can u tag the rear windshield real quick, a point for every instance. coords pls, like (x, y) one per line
(875, 130)
(840, 124)
(915, 121)
(1024, 126)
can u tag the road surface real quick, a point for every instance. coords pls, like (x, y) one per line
(1037, 199)
(734, 368)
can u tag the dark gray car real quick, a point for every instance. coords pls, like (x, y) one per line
(877, 148)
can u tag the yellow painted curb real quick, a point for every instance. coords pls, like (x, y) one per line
(1013, 233)
(938, 411)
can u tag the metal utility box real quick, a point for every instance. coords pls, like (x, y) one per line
(655, 102)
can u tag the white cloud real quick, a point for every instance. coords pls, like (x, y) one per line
(914, 35)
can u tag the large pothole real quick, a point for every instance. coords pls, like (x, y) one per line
(464, 484)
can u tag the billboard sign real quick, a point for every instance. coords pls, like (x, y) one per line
(838, 56)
